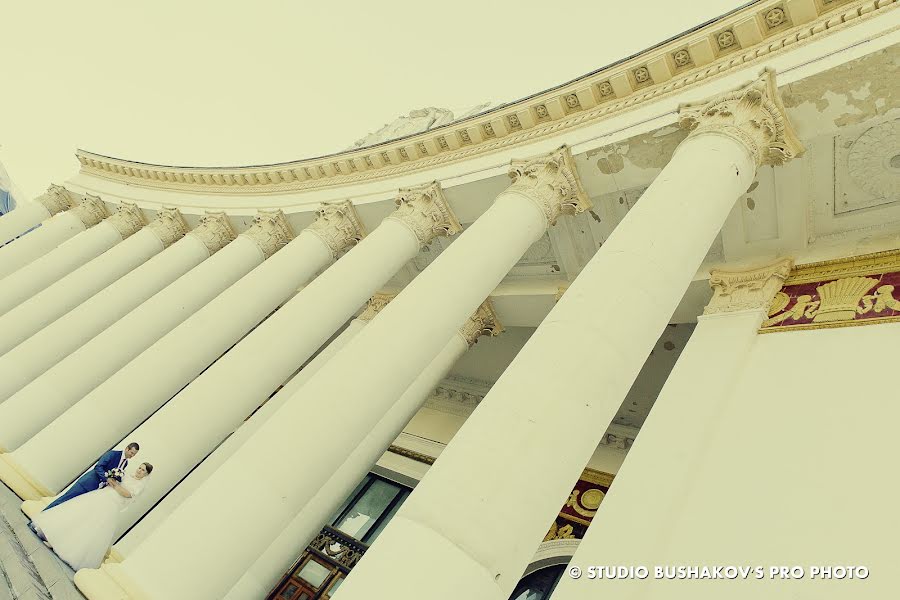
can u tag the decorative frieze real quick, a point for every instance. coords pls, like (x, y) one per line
(169, 226)
(127, 220)
(375, 304)
(753, 115)
(270, 231)
(338, 226)
(91, 210)
(56, 199)
(483, 322)
(214, 231)
(748, 289)
(425, 212)
(551, 182)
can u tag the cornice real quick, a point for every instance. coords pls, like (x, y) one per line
(734, 41)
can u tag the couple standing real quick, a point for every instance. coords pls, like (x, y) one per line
(80, 525)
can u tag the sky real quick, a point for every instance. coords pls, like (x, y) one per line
(229, 82)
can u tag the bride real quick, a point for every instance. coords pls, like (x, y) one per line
(81, 530)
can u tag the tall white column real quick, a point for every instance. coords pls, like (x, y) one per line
(55, 200)
(221, 454)
(46, 306)
(566, 384)
(264, 574)
(672, 440)
(395, 347)
(24, 362)
(52, 232)
(62, 260)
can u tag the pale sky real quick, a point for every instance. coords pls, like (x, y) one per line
(230, 82)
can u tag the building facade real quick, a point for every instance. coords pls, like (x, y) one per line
(452, 340)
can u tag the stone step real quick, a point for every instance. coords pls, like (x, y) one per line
(28, 569)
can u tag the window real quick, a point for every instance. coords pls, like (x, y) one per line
(539, 585)
(376, 501)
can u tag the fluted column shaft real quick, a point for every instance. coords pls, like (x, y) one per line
(395, 348)
(56, 300)
(568, 381)
(62, 260)
(55, 200)
(51, 233)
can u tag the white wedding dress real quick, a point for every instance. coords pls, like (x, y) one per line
(81, 530)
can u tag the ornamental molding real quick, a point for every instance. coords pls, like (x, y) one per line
(747, 289)
(425, 212)
(874, 160)
(375, 304)
(753, 115)
(56, 199)
(214, 231)
(270, 231)
(732, 42)
(551, 182)
(338, 226)
(91, 210)
(483, 322)
(168, 226)
(128, 219)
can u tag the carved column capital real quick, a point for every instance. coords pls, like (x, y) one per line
(169, 226)
(483, 322)
(425, 212)
(56, 199)
(338, 226)
(753, 115)
(127, 220)
(91, 210)
(551, 182)
(270, 231)
(748, 289)
(214, 231)
(375, 304)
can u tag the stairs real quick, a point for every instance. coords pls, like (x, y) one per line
(28, 570)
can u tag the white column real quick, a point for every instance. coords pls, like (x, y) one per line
(32, 356)
(46, 306)
(672, 439)
(221, 454)
(55, 200)
(62, 260)
(566, 384)
(262, 576)
(395, 348)
(52, 232)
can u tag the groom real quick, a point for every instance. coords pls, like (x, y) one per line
(96, 477)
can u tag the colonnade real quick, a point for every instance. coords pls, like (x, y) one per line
(180, 364)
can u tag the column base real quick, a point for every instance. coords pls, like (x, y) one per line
(109, 582)
(19, 481)
(32, 508)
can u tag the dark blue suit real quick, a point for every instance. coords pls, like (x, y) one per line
(91, 480)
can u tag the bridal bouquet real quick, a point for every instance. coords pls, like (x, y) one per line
(116, 474)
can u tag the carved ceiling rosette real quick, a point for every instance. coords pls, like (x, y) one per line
(551, 182)
(214, 231)
(169, 226)
(749, 289)
(753, 115)
(375, 304)
(425, 212)
(483, 322)
(270, 231)
(338, 226)
(56, 199)
(91, 210)
(128, 219)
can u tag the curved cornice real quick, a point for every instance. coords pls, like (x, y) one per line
(746, 36)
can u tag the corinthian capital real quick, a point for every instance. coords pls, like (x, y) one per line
(56, 199)
(425, 212)
(169, 226)
(753, 115)
(214, 231)
(270, 231)
(338, 226)
(375, 304)
(551, 182)
(749, 289)
(127, 220)
(483, 322)
(91, 210)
